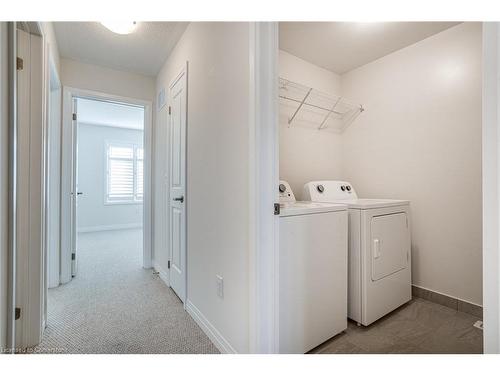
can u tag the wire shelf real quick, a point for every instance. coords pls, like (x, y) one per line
(312, 107)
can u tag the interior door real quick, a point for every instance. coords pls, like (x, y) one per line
(74, 190)
(177, 185)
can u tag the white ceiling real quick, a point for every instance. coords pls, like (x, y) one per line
(343, 46)
(96, 112)
(144, 51)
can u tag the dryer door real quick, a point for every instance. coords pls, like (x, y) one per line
(389, 244)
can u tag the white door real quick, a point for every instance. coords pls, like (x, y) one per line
(177, 185)
(74, 190)
(390, 244)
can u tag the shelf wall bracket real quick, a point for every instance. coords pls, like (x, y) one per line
(299, 107)
(352, 116)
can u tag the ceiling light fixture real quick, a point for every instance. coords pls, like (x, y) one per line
(120, 27)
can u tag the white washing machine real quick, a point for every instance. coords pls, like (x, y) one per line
(379, 249)
(312, 272)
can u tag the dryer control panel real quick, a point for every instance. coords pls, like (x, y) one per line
(329, 191)
(286, 193)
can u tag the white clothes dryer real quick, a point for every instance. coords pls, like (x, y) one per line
(379, 249)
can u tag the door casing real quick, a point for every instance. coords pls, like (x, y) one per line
(491, 187)
(263, 192)
(11, 186)
(30, 190)
(74, 189)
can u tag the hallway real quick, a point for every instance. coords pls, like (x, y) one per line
(113, 305)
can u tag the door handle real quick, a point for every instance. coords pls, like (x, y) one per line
(376, 248)
(179, 199)
(79, 193)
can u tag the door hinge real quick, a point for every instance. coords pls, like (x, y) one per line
(276, 208)
(73, 256)
(168, 264)
(74, 116)
(17, 313)
(19, 63)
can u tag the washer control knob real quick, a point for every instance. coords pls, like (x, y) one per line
(282, 188)
(320, 188)
(348, 188)
(342, 188)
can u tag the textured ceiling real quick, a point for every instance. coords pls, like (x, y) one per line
(144, 51)
(343, 46)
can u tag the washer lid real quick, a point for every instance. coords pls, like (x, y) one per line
(305, 208)
(366, 204)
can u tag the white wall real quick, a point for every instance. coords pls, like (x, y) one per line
(54, 104)
(217, 172)
(50, 38)
(307, 154)
(420, 139)
(54, 187)
(93, 213)
(3, 182)
(110, 81)
(112, 114)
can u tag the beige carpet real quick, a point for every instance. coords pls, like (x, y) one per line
(114, 305)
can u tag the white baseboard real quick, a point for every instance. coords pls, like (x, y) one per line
(213, 334)
(102, 228)
(162, 273)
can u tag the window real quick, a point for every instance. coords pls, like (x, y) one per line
(125, 171)
(139, 164)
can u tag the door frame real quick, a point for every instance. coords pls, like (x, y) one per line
(66, 171)
(183, 74)
(10, 337)
(263, 192)
(74, 191)
(491, 187)
(28, 213)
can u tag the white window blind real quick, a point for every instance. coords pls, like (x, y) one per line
(124, 173)
(139, 192)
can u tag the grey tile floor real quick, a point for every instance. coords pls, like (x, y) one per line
(419, 327)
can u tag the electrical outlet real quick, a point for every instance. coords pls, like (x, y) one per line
(220, 286)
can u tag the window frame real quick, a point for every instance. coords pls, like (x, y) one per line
(134, 200)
